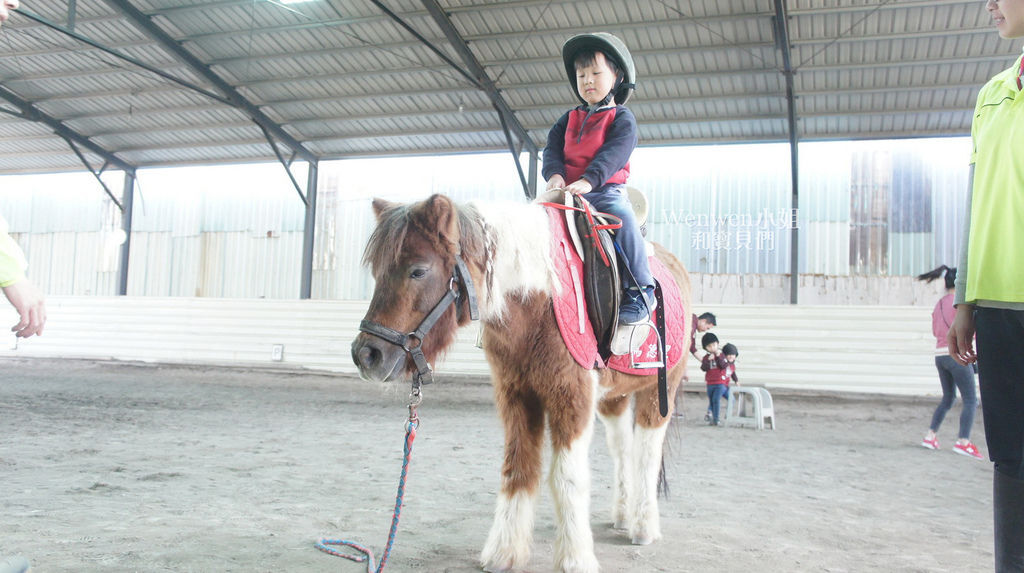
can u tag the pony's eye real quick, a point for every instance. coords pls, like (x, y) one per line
(418, 273)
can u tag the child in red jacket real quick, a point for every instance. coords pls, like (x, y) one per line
(717, 371)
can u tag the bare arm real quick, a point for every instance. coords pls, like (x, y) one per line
(960, 337)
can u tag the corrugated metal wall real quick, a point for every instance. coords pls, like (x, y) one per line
(878, 208)
(872, 208)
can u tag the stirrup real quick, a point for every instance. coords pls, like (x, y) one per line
(628, 338)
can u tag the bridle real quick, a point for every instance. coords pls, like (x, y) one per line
(412, 342)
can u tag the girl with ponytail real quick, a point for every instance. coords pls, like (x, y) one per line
(952, 374)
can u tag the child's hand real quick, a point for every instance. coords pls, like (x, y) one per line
(580, 187)
(556, 182)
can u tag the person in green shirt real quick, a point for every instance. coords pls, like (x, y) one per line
(989, 295)
(20, 292)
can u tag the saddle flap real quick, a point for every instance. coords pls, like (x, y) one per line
(601, 283)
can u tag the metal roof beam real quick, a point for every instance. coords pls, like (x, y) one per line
(901, 5)
(236, 99)
(134, 61)
(689, 75)
(299, 27)
(31, 113)
(509, 123)
(546, 60)
(660, 122)
(422, 112)
(472, 8)
(873, 38)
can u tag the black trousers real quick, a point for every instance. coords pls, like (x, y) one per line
(1000, 335)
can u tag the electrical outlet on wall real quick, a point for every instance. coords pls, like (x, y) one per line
(277, 352)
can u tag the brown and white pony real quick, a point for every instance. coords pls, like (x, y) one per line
(412, 254)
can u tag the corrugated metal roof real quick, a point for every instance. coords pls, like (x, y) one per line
(345, 79)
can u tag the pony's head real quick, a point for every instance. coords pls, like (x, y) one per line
(412, 255)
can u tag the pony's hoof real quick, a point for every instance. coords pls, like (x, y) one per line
(642, 540)
(583, 565)
(496, 568)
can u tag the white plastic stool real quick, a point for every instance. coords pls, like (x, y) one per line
(761, 404)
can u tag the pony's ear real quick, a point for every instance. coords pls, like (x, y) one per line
(442, 211)
(381, 206)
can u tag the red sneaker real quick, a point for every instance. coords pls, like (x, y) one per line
(967, 449)
(932, 444)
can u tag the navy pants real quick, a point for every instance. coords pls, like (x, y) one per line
(1000, 335)
(612, 199)
(955, 376)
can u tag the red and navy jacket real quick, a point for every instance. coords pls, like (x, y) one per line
(597, 151)
(717, 368)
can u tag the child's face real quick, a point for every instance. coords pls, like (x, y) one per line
(730, 357)
(593, 82)
(712, 347)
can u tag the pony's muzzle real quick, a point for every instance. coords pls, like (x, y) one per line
(377, 360)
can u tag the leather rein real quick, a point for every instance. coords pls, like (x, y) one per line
(412, 342)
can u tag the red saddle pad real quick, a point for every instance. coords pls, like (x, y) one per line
(571, 312)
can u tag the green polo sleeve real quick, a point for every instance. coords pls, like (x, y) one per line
(12, 260)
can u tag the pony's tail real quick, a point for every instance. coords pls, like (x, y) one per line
(933, 274)
(663, 491)
(673, 436)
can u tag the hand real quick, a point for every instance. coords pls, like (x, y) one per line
(960, 337)
(556, 182)
(31, 307)
(581, 187)
(6, 5)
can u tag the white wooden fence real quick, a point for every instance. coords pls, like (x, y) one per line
(874, 349)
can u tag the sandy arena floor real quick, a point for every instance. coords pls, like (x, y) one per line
(126, 467)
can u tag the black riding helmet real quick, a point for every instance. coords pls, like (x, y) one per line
(613, 48)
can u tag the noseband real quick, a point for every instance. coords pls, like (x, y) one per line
(412, 343)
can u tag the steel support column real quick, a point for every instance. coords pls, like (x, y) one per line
(782, 43)
(127, 203)
(309, 233)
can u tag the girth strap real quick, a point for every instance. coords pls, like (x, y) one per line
(663, 369)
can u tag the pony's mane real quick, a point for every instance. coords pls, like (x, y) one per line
(387, 241)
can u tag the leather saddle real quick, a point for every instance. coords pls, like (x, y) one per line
(592, 234)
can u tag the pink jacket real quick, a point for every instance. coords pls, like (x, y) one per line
(942, 319)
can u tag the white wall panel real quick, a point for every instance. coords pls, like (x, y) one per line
(877, 349)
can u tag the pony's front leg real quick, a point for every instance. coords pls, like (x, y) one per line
(508, 544)
(618, 422)
(649, 441)
(572, 427)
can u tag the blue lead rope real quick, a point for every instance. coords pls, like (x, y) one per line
(365, 553)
